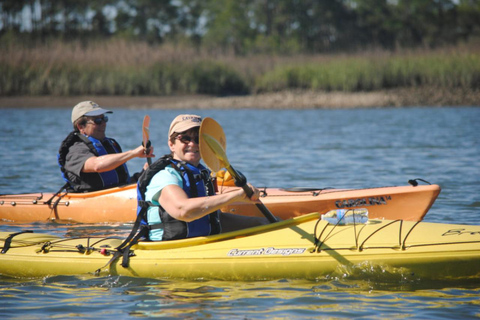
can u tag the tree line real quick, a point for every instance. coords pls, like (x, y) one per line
(249, 26)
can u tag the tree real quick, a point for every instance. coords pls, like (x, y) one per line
(228, 25)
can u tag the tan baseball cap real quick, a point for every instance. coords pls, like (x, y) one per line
(184, 122)
(87, 108)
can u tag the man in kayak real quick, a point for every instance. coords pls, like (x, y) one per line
(88, 159)
(179, 193)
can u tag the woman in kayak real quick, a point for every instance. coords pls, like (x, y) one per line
(182, 198)
(89, 160)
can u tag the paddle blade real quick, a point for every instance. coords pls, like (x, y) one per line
(146, 136)
(213, 144)
(146, 130)
(212, 149)
(217, 150)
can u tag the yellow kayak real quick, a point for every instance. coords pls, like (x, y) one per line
(305, 247)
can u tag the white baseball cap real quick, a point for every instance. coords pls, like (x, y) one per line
(87, 108)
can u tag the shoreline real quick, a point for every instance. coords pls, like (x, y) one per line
(295, 99)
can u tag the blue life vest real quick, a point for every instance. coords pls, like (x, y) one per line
(107, 179)
(196, 183)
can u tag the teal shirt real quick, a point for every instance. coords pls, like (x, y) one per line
(165, 177)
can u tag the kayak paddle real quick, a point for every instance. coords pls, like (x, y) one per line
(146, 133)
(212, 149)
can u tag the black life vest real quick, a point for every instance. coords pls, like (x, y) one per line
(196, 183)
(108, 179)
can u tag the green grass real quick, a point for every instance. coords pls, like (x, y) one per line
(158, 79)
(129, 68)
(376, 73)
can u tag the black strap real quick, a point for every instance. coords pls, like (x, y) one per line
(135, 227)
(64, 187)
(115, 257)
(134, 237)
(8, 241)
(414, 182)
(126, 244)
(126, 251)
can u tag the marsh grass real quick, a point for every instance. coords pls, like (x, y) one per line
(134, 68)
(352, 74)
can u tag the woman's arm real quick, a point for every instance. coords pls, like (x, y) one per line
(111, 161)
(177, 203)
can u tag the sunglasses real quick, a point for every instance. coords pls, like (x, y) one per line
(99, 121)
(187, 139)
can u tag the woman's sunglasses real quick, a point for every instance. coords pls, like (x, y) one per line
(99, 121)
(187, 139)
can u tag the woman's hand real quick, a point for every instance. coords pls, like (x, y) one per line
(255, 195)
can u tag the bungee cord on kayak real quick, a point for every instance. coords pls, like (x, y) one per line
(304, 247)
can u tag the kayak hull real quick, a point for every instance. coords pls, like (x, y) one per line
(399, 202)
(119, 204)
(111, 205)
(287, 249)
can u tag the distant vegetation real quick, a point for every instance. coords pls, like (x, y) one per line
(130, 68)
(250, 26)
(233, 47)
(377, 72)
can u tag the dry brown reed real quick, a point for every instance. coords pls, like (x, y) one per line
(135, 61)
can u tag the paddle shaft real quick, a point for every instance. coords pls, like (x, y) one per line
(241, 181)
(149, 160)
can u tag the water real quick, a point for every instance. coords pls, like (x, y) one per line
(280, 148)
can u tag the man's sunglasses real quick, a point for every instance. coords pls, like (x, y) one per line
(187, 139)
(99, 121)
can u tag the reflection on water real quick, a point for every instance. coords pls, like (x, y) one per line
(109, 297)
(71, 230)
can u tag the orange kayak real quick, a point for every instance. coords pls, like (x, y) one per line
(120, 204)
(392, 203)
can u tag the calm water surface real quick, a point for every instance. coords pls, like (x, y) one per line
(281, 148)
